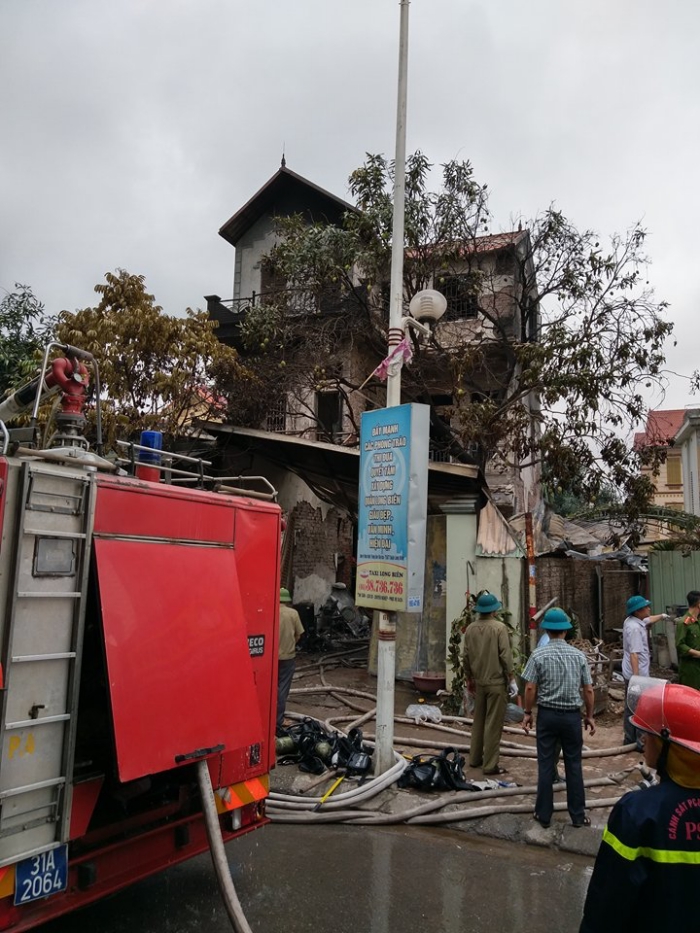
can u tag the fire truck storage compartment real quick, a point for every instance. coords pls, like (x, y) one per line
(179, 671)
(180, 676)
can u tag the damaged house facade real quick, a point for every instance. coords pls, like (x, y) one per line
(316, 404)
(302, 430)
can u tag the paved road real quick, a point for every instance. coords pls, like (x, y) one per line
(336, 879)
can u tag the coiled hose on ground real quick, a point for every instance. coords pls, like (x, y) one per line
(345, 807)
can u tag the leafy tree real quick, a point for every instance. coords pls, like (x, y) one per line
(24, 330)
(154, 368)
(553, 373)
(570, 501)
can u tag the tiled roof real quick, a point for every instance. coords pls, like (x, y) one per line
(494, 241)
(481, 244)
(661, 427)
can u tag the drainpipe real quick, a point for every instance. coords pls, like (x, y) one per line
(531, 580)
(599, 574)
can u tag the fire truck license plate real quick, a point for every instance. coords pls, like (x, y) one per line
(41, 875)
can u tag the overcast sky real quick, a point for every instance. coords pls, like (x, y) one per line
(134, 128)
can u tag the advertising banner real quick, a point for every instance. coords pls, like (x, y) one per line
(393, 507)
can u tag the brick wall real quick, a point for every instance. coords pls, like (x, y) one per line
(575, 585)
(317, 539)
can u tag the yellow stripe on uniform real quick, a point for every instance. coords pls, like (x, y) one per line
(664, 856)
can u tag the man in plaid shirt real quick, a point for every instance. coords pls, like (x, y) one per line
(555, 675)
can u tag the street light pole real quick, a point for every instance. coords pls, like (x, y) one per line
(386, 629)
(393, 383)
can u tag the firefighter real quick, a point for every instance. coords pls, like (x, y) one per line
(647, 870)
(291, 631)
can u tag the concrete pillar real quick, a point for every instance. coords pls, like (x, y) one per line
(461, 558)
(420, 637)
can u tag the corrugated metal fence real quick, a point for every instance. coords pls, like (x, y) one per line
(671, 577)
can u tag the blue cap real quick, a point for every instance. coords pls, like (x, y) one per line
(487, 602)
(556, 620)
(635, 603)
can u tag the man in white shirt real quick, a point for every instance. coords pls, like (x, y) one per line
(635, 653)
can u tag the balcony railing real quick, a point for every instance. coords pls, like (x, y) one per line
(296, 301)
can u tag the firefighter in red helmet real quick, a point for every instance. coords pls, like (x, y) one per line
(647, 871)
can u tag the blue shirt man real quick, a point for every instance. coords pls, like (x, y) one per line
(555, 676)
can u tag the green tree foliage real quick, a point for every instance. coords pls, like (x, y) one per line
(552, 369)
(571, 501)
(24, 330)
(155, 369)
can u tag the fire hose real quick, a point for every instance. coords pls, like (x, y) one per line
(218, 852)
(290, 808)
(346, 807)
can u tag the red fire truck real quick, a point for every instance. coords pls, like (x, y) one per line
(138, 653)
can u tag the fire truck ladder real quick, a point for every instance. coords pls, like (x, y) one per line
(41, 658)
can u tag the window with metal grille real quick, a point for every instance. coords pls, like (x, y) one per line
(462, 294)
(276, 419)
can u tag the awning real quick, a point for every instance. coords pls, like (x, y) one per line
(331, 471)
(496, 537)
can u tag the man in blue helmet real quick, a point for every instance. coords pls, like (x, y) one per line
(635, 654)
(556, 675)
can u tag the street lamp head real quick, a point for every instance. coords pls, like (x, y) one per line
(428, 306)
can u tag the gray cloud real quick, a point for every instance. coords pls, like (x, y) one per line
(132, 130)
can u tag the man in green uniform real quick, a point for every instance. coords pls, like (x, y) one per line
(488, 667)
(291, 631)
(688, 643)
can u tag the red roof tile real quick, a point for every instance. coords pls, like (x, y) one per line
(490, 243)
(662, 426)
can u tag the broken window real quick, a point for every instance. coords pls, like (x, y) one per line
(330, 298)
(329, 416)
(504, 262)
(441, 441)
(271, 280)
